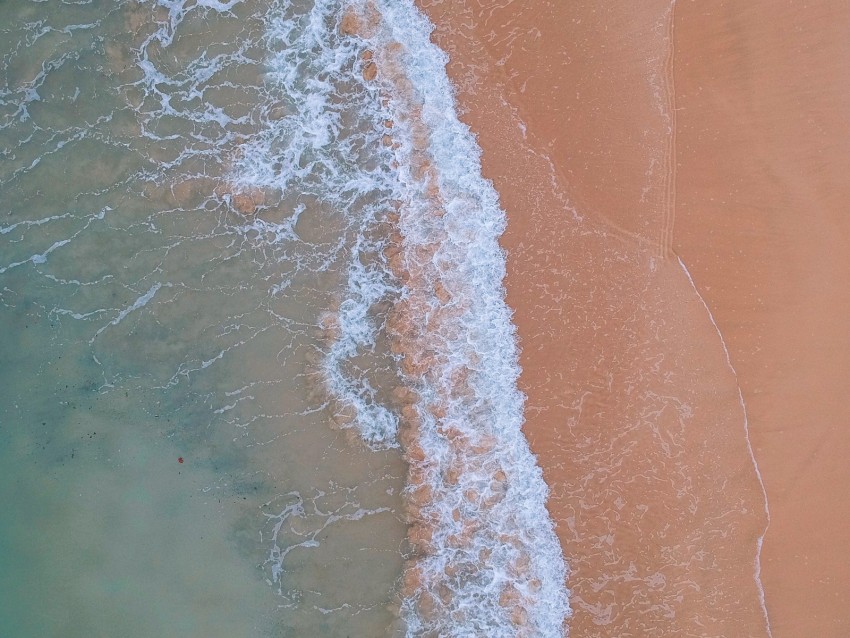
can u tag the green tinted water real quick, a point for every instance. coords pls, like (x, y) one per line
(144, 320)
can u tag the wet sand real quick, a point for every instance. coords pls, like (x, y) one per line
(764, 153)
(619, 138)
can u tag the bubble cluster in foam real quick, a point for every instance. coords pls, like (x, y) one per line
(171, 92)
(323, 139)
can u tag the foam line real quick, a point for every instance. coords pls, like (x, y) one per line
(760, 542)
(366, 123)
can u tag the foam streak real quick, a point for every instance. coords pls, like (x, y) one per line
(760, 542)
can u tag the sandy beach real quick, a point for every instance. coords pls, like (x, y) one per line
(764, 155)
(673, 177)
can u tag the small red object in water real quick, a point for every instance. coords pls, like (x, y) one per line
(179, 459)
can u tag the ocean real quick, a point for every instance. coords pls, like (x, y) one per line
(258, 374)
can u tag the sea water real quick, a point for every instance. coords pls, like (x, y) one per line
(258, 376)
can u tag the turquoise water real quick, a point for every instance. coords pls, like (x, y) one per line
(145, 319)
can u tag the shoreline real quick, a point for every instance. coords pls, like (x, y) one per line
(460, 410)
(589, 185)
(760, 158)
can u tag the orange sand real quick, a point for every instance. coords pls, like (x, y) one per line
(764, 225)
(616, 134)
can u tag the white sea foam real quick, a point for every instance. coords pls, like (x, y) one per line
(493, 560)
(485, 558)
(320, 146)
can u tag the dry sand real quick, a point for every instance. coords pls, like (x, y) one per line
(616, 134)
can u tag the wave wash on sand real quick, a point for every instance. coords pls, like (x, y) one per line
(487, 556)
(420, 352)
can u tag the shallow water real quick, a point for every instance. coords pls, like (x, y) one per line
(167, 457)
(257, 333)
